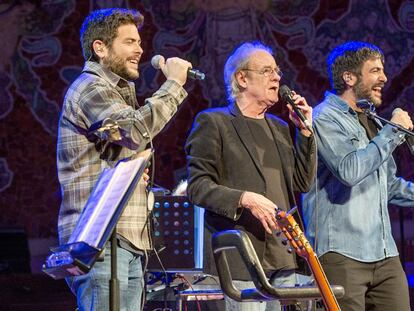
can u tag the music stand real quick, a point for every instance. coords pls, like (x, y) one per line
(98, 221)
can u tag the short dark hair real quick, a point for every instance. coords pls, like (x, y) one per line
(103, 25)
(349, 56)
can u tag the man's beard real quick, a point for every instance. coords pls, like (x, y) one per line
(118, 65)
(362, 92)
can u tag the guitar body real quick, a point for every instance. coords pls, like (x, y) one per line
(302, 247)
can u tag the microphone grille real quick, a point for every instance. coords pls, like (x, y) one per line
(155, 61)
(396, 110)
(284, 91)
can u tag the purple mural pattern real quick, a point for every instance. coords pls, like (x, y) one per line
(41, 56)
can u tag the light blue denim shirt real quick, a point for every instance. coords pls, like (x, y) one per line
(356, 181)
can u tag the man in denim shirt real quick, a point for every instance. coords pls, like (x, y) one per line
(346, 210)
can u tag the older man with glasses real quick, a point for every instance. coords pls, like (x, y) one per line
(243, 166)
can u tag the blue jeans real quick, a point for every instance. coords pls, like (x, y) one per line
(282, 278)
(92, 289)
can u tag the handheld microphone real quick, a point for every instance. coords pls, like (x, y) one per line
(286, 94)
(191, 73)
(409, 139)
(396, 110)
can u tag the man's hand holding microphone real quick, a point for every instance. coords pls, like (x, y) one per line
(176, 69)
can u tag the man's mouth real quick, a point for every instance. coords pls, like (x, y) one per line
(134, 61)
(377, 90)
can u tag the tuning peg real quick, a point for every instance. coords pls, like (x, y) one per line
(289, 250)
(278, 233)
(284, 242)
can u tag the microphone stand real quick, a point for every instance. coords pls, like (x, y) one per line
(372, 114)
(369, 109)
(109, 130)
(114, 303)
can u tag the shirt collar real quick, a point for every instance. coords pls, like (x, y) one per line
(339, 102)
(105, 73)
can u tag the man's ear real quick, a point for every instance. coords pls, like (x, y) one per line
(349, 78)
(100, 49)
(240, 77)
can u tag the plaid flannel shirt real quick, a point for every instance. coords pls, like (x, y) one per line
(96, 94)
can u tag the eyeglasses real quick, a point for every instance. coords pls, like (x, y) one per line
(267, 72)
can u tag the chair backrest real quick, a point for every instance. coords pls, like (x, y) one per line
(235, 239)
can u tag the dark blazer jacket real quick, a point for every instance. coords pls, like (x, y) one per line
(223, 163)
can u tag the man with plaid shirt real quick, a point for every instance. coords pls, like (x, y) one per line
(111, 46)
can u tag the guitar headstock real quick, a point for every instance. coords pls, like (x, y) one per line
(294, 234)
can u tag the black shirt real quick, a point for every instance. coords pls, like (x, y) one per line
(276, 256)
(368, 124)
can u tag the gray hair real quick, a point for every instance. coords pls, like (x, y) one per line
(237, 61)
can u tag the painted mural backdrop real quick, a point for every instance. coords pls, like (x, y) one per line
(40, 55)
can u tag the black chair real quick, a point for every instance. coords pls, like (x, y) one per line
(263, 290)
